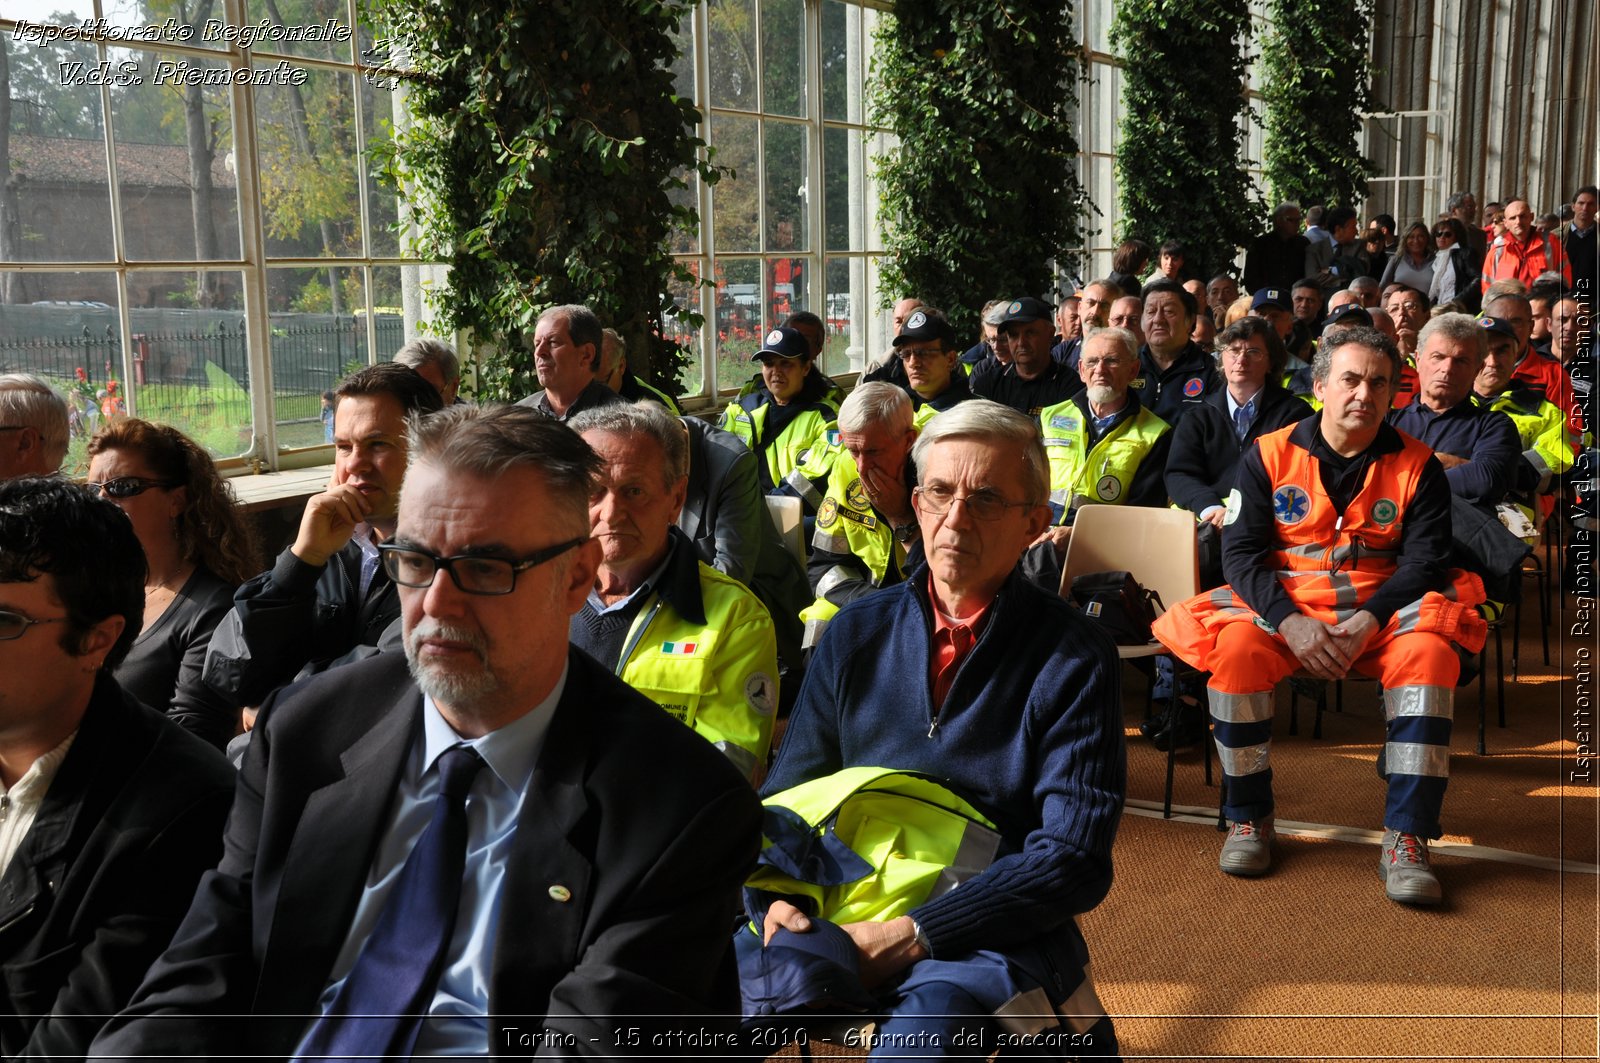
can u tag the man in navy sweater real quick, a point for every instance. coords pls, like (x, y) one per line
(1006, 695)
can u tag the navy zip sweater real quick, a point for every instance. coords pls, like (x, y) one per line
(1030, 732)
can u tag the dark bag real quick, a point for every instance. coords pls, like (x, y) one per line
(1116, 602)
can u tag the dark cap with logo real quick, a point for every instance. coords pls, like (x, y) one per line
(1270, 297)
(1497, 325)
(1021, 311)
(922, 326)
(1350, 314)
(785, 343)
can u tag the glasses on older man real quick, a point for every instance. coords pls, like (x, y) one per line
(472, 573)
(14, 625)
(984, 505)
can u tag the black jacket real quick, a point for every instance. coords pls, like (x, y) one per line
(104, 876)
(1173, 392)
(1205, 451)
(295, 620)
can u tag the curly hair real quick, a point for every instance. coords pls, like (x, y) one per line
(211, 530)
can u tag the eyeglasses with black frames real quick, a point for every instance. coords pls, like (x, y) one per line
(472, 573)
(128, 486)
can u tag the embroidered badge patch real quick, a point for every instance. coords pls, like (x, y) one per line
(760, 693)
(774, 338)
(828, 513)
(679, 649)
(1384, 511)
(917, 320)
(1193, 386)
(1063, 422)
(856, 495)
(1109, 488)
(1290, 504)
(1015, 308)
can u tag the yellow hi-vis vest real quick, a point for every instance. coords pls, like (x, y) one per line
(746, 417)
(720, 678)
(847, 524)
(911, 838)
(1543, 429)
(1101, 474)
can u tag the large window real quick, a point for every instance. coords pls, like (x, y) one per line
(192, 230)
(781, 86)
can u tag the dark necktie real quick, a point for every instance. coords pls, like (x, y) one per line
(379, 1007)
(1242, 418)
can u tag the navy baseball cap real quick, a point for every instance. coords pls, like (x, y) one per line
(1021, 311)
(921, 326)
(1271, 297)
(1498, 325)
(785, 343)
(1349, 314)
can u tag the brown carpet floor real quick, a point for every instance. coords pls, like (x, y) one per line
(1312, 961)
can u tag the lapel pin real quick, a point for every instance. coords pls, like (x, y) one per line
(560, 894)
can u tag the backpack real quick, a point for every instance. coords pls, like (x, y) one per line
(1117, 602)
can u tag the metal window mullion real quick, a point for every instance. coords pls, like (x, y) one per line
(252, 240)
(705, 293)
(816, 186)
(118, 238)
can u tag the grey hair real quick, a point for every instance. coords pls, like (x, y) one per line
(28, 401)
(1456, 200)
(642, 418)
(612, 351)
(877, 402)
(1284, 207)
(1361, 336)
(1463, 328)
(992, 423)
(1125, 339)
(423, 351)
(490, 441)
(1363, 283)
(1510, 290)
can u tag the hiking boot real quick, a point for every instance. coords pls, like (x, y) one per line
(1248, 849)
(1403, 866)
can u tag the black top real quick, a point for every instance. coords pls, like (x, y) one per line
(164, 666)
(1272, 262)
(1174, 391)
(593, 396)
(1056, 384)
(1205, 450)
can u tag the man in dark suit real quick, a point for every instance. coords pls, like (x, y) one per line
(597, 843)
(110, 813)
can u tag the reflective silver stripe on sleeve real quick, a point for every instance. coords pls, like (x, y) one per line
(1407, 616)
(804, 488)
(1053, 442)
(813, 632)
(1059, 496)
(1245, 760)
(822, 539)
(1419, 700)
(741, 757)
(834, 577)
(1241, 708)
(976, 852)
(1540, 466)
(1027, 1014)
(1083, 1008)
(1416, 758)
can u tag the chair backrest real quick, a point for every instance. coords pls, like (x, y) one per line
(1156, 545)
(788, 515)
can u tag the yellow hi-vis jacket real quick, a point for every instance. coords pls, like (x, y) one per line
(1102, 474)
(894, 839)
(717, 672)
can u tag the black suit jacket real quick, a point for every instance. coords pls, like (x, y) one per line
(648, 829)
(132, 819)
(1205, 450)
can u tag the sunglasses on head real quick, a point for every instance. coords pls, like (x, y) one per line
(128, 486)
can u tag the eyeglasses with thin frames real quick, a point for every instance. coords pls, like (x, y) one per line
(983, 505)
(472, 573)
(15, 625)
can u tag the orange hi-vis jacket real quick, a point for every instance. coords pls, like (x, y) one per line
(1331, 564)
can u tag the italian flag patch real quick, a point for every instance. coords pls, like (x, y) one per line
(679, 649)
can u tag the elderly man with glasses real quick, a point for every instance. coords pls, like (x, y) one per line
(1004, 693)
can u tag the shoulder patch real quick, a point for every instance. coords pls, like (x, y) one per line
(759, 693)
(855, 496)
(1109, 488)
(828, 513)
(1193, 386)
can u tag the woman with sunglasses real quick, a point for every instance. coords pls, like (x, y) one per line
(1455, 280)
(198, 549)
(1412, 265)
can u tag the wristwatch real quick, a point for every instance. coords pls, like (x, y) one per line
(904, 533)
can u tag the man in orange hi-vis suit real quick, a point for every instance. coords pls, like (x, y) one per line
(1334, 546)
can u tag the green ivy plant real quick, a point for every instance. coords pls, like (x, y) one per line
(1316, 83)
(546, 148)
(1182, 138)
(983, 191)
